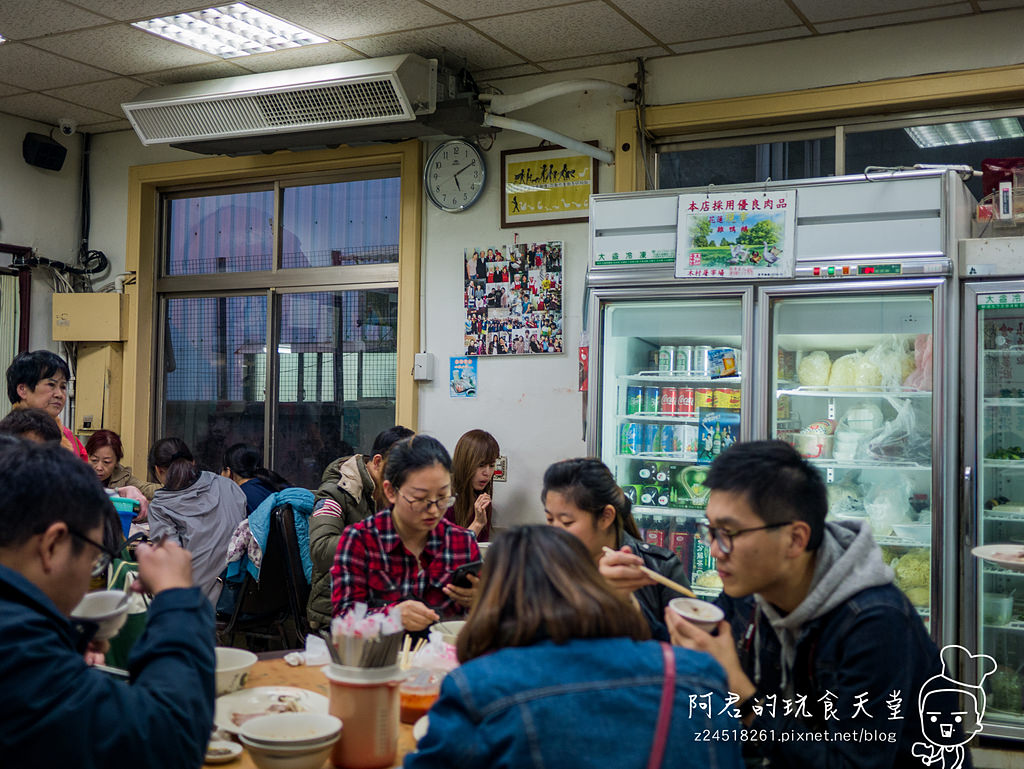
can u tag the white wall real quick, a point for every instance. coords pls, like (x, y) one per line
(38, 208)
(531, 404)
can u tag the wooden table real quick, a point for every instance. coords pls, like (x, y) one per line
(277, 672)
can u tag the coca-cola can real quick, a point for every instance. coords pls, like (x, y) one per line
(668, 400)
(685, 404)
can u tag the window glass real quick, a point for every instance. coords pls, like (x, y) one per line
(353, 222)
(213, 388)
(220, 233)
(750, 163)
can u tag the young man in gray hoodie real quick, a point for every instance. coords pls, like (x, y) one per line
(824, 653)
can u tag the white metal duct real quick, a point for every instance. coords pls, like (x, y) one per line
(384, 90)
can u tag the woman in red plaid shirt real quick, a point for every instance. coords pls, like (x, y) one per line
(406, 556)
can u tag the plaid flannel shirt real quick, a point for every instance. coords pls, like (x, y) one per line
(374, 567)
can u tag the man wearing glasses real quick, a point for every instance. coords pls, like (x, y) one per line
(818, 643)
(56, 710)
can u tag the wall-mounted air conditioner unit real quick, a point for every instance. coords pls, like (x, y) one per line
(385, 99)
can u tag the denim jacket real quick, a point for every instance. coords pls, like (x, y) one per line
(873, 643)
(586, 703)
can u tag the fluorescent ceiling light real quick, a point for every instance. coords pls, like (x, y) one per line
(971, 132)
(3, 39)
(230, 30)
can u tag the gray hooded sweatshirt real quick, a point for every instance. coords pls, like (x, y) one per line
(847, 562)
(202, 518)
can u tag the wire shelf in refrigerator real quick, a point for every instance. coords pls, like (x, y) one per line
(867, 464)
(642, 416)
(1004, 402)
(867, 392)
(995, 515)
(677, 458)
(1002, 464)
(669, 376)
(1014, 349)
(1016, 625)
(998, 572)
(676, 512)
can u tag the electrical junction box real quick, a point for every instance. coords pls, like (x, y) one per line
(423, 367)
(90, 317)
(98, 382)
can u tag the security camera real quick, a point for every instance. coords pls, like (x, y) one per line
(67, 126)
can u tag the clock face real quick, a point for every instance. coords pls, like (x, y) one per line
(454, 175)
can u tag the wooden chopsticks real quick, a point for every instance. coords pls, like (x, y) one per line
(660, 579)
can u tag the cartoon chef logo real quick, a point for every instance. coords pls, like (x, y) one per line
(952, 710)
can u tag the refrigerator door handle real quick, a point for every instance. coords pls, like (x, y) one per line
(966, 502)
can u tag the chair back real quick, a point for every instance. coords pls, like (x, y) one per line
(295, 575)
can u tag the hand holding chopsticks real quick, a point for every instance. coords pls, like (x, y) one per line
(655, 576)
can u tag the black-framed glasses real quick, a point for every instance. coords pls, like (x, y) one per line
(422, 505)
(724, 537)
(103, 559)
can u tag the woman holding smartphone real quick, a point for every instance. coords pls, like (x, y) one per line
(407, 556)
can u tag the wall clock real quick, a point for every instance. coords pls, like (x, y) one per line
(454, 175)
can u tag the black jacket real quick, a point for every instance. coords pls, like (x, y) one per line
(654, 598)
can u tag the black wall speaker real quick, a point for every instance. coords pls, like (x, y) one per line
(44, 152)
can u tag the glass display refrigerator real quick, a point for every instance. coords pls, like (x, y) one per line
(847, 357)
(994, 498)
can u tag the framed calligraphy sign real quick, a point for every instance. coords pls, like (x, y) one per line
(546, 185)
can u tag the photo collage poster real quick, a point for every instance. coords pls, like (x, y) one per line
(513, 299)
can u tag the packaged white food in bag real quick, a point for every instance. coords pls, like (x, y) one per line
(844, 372)
(814, 369)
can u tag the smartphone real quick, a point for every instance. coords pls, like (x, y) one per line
(459, 577)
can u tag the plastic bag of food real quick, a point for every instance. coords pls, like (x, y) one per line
(814, 369)
(844, 372)
(888, 357)
(913, 570)
(866, 375)
(888, 502)
(901, 438)
(845, 499)
(921, 377)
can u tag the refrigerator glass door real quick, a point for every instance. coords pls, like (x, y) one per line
(852, 383)
(672, 395)
(1000, 497)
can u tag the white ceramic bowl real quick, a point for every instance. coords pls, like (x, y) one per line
(285, 757)
(233, 667)
(483, 549)
(293, 730)
(918, 532)
(106, 609)
(703, 614)
(449, 630)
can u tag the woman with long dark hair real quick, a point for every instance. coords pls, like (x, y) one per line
(406, 556)
(243, 464)
(582, 497)
(196, 508)
(473, 482)
(557, 671)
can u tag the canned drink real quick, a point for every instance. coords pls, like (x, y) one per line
(701, 361)
(782, 408)
(663, 499)
(646, 472)
(668, 445)
(684, 359)
(668, 400)
(651, 443)
(666, 357)
(686, 441)
(703, 398)
(648, 494)
(685, 403)
(632, 492)
(727, 398)
(652, 360)
(652, 400)
(631, 438)
(634, 399)
(662, 474)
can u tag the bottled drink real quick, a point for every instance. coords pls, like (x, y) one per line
(716, 441)
(646, 472)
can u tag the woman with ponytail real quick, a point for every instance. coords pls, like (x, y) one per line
(242, 464)
(196, 508)
(582, 497)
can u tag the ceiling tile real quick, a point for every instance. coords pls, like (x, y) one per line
(829, 10)
(30, 18)
(124, 50)
(599, 59)
(46, 109)
(570, 30)
(106, 95)
(457, 39)
(193, 74)
(998, 5)
(886, 19)
(476, 9)
(290, 58)
(9, 90)
(102, 128)
(707, 18)
(357, 18)
(30, 68)
(731, 41)
(124, 10)
(500, 72)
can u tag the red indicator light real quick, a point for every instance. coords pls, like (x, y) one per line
(869, 270)
(846, 270)
(817, 271)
